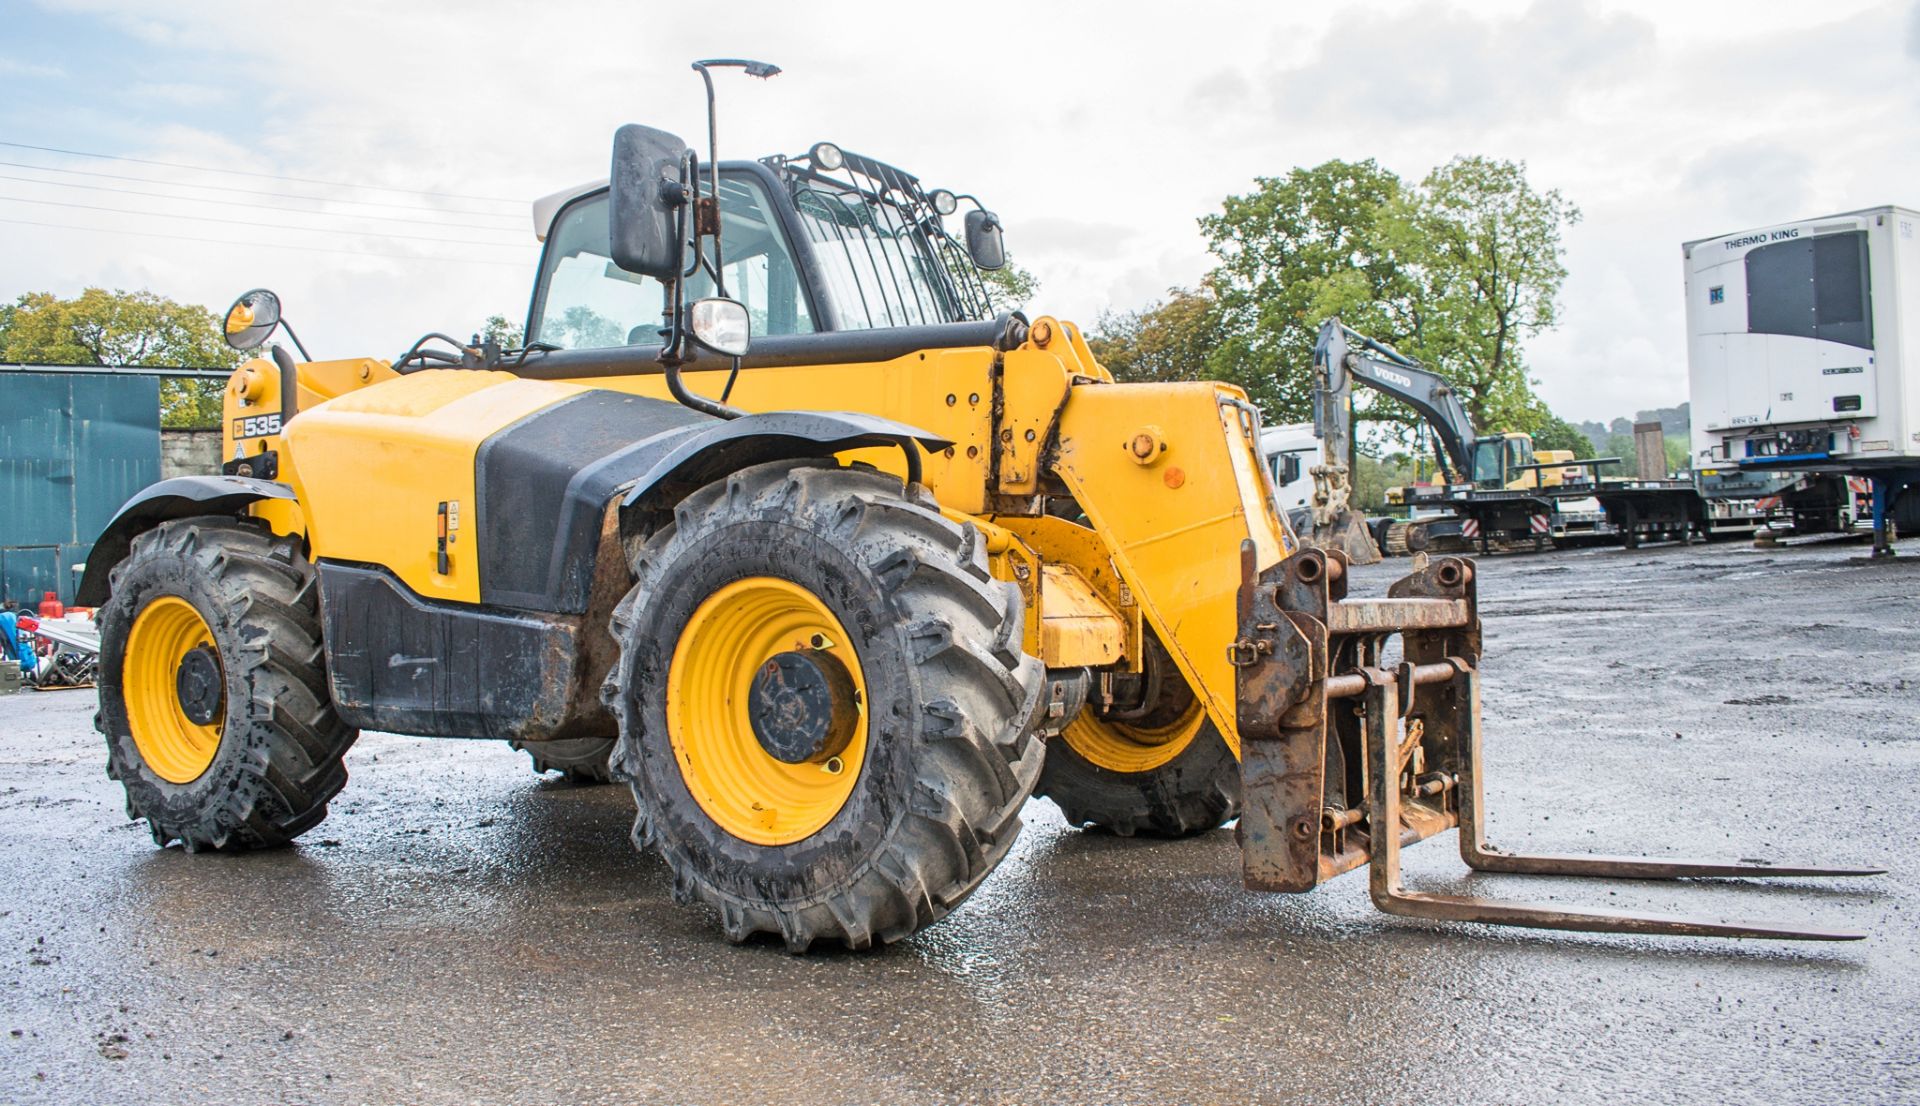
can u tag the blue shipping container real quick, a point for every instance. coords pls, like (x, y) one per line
(73, 448)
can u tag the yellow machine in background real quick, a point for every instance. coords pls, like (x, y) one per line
(776, 519)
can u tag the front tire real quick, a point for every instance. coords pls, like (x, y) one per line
(829, 578)
(213, 687)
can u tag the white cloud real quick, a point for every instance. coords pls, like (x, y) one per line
(14, 67)
(1433, 64)
(1099, 138)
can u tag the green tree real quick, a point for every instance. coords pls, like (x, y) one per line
(1372, 476)
(1622, 446)
(1458, 271)
(1165, 341)
(1482, 251)
(503, 331)
(581, 327)
(1010, 287)
(1554, 432)
(1679, 453)
(99, 327)
(1292, 252)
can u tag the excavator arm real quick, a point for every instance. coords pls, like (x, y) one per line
(1342, 356)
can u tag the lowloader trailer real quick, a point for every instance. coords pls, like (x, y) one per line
(843, 564)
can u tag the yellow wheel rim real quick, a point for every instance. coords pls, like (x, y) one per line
(175, 747)
(744, 788)
(1118, 747)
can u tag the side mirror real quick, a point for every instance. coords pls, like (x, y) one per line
(721, 325)
(983, 240)
(1289, 468)
(251, 320)
(647, 193)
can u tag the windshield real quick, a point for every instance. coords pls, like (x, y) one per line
(1487, 470)
(588, 302)
(882, 253)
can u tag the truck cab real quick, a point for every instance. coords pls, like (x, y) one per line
(1291, 451)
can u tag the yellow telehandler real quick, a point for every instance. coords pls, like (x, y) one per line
(841, 564)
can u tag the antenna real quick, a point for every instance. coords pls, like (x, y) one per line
(760, 69)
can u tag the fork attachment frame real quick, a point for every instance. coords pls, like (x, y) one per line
(1345, 761)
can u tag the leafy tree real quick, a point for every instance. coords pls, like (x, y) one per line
(502, 331)
(581, 327)
(1622, 446)
(1010, 287)
(1554, 432)
(1679, 453)
(99, 327)
(1372, 476)
(1166, 341)
(1678, 450)
(1292, 252)
(1458, 272)
(1482, 250)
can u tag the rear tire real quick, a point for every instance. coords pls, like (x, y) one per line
(1197, 791)
(1167, 773)
(268, 754)
(944, 754)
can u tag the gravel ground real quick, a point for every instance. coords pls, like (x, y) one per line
(459, 931)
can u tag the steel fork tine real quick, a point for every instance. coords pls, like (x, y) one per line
(1381, 727)
(1462, 908)
(1486, 858)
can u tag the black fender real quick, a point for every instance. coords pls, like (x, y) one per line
(544, 485)
(180, 497)
(704, 455)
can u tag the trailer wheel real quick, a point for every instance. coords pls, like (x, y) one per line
(1164, 771)
(213, 687)
(583, 760)
(825, 710)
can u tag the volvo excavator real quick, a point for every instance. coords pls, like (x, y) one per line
(1494, 484)
(844, 562)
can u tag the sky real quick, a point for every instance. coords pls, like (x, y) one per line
(379, 159)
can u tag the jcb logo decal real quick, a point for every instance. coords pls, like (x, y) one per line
(259, 426)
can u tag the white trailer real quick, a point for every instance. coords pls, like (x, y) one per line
(1803, 356)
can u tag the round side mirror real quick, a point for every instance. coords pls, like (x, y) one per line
(251, 319)
(721, 325)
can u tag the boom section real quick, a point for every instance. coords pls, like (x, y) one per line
(1342, 356)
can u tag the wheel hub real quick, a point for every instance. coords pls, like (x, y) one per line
(173, 689)
(802, 706)
(766, 711)
(197, 683)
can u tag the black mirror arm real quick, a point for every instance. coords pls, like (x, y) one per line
(713, 168)
(673, 351)
(297, 343)
(686, 397)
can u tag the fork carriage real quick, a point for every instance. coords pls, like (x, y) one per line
(1346, 757)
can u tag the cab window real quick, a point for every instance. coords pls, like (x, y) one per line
(588, 302)
(1519, 452)
(1486, 463)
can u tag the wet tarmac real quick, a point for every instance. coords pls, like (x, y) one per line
(459, 931)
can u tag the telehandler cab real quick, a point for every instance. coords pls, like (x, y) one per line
(845, 565)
